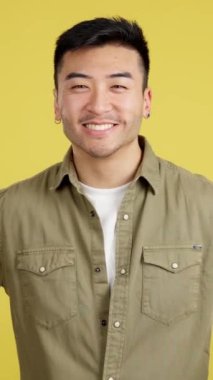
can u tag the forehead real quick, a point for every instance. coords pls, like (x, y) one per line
(108, 57)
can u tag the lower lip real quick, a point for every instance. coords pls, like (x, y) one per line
(95, 133)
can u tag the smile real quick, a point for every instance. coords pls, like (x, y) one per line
(98, 127)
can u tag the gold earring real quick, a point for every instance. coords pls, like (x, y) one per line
(57, 121)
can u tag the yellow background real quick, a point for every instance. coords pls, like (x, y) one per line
(180, 35)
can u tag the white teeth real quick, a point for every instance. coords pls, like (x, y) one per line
(98, 127)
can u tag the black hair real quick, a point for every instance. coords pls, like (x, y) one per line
(98, 32)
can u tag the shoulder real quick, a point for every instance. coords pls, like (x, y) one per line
(37, 184)
(195, 186)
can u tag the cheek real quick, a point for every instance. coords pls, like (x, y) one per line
(73, 106)
(132, 103)
(133, 109)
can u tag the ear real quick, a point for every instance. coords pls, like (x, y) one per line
(56, 106)
(147, 96)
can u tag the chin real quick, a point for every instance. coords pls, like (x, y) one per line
(103, 153)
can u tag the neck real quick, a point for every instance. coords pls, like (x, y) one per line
(108, 172)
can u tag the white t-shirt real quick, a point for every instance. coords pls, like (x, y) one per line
(107, 203)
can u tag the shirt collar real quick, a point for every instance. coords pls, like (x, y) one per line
(66, 169)
(148, 169)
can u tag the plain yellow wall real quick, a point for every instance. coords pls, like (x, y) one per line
(180, 35)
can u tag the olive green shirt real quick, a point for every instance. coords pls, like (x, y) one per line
(156, 322)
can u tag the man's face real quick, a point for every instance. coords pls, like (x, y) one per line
(100, 99)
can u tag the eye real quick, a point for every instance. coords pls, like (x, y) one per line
(79, 86)
(119, 86)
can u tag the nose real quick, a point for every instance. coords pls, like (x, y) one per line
(99, 102)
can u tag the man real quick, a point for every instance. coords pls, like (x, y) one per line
(107, 257)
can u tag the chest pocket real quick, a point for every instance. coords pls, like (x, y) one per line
(171, 282)
(48, 281)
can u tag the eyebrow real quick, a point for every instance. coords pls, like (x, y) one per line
(77, 75)
(74, 74)
(124, 74)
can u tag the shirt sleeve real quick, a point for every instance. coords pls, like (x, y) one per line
(1, 238)
(1, 280)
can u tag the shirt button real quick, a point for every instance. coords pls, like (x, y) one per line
(126, 217)
(42, 269)
(174, 265)
(117, 324)
(92, 213)
(97, 269)
(123, 271)
(104, 322)
(111, 378)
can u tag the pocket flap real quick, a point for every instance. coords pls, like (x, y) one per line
(173, 258)
(45, 260)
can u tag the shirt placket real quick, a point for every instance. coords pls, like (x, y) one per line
(119, 297)
(100, 282)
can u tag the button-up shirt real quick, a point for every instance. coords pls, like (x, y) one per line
(156, 321)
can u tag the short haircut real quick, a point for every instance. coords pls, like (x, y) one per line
(98, 32)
